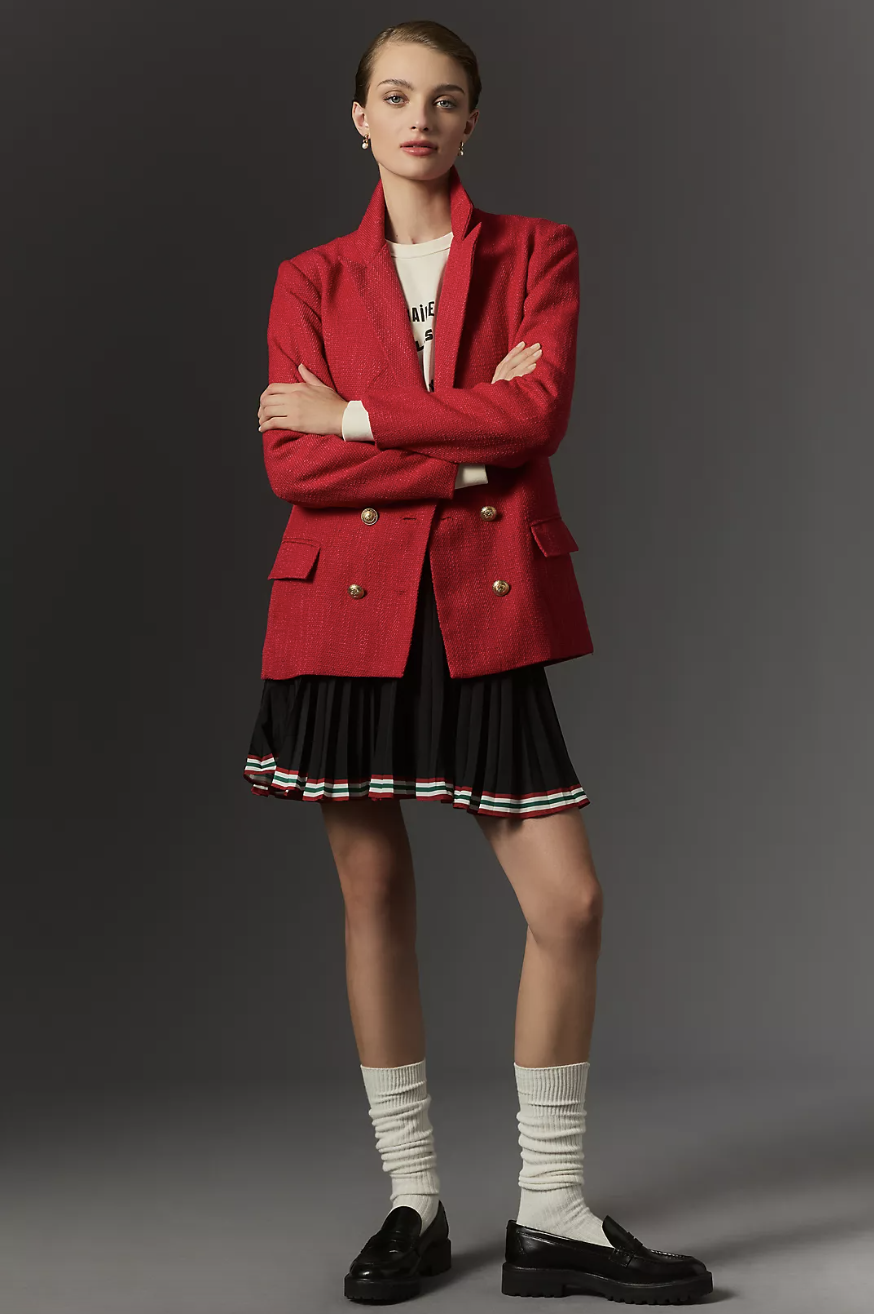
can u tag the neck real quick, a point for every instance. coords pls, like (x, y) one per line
(416, 211)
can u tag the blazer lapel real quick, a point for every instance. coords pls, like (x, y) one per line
(380, 289)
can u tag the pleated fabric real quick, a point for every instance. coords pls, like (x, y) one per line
(489, 744)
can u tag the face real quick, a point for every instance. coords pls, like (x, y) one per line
(415, 94)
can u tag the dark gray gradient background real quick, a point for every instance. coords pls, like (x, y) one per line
(184, 1124)
(163, 927)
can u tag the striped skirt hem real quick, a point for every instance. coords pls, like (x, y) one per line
(267, 779)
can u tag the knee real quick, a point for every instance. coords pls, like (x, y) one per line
(374, 887)
(372, 856)
(584, 915)
(572, 922)
(376, 880)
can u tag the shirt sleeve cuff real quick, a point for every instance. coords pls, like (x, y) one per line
(356, 427)
(356, 423)
(471, 474)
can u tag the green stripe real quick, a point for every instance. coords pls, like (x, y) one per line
(389, 786)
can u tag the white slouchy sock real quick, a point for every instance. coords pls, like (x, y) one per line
(551, 1122)
(399, 1103)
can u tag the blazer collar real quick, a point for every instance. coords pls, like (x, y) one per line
(380, 289)
(371, 231)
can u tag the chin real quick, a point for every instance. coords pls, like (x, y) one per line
(421, 166)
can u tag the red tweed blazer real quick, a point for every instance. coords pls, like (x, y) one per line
(346, 575)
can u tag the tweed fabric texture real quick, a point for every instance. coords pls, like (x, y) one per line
(505, 586)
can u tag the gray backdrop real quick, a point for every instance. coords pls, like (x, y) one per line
(164, 926)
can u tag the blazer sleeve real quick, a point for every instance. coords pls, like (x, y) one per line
(508, 422)
(320, 469)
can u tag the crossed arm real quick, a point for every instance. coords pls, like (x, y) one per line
(508, 422)
(421, 438)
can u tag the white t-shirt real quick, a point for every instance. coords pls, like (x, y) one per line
(420, 267)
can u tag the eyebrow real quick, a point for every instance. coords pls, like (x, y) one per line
(402, 82)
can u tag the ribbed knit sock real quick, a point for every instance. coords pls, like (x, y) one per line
(399, 1103)
(551, 1122)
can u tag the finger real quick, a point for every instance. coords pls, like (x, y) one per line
(521, 352)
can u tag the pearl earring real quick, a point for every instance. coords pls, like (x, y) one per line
(365, 143)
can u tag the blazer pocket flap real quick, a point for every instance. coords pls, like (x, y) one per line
(553, 536)
(295, 558)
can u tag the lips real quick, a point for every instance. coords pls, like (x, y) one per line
(425, 145)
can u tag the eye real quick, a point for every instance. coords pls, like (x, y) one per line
(397, 95)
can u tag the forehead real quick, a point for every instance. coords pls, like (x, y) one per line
(417, 67)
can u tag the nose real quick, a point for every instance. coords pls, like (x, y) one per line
(420, 123)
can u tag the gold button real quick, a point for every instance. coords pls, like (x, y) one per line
(357, 590)
(370, 515)
(501, 586)
(488, 512)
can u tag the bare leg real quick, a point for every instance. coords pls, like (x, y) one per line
(371, 849)
(549, 863)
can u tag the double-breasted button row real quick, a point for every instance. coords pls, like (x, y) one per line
(370, 515)
(500, 586)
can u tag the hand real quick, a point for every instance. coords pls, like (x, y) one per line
(521, 360)
(308, 407)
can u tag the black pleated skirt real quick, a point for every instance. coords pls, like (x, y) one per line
(489, 744)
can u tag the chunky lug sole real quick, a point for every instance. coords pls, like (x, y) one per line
(517, 1281)
(437, 1260)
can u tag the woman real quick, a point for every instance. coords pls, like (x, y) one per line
(423, 583)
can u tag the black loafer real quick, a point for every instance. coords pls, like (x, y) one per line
(543, 1264)
(393, 1261)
